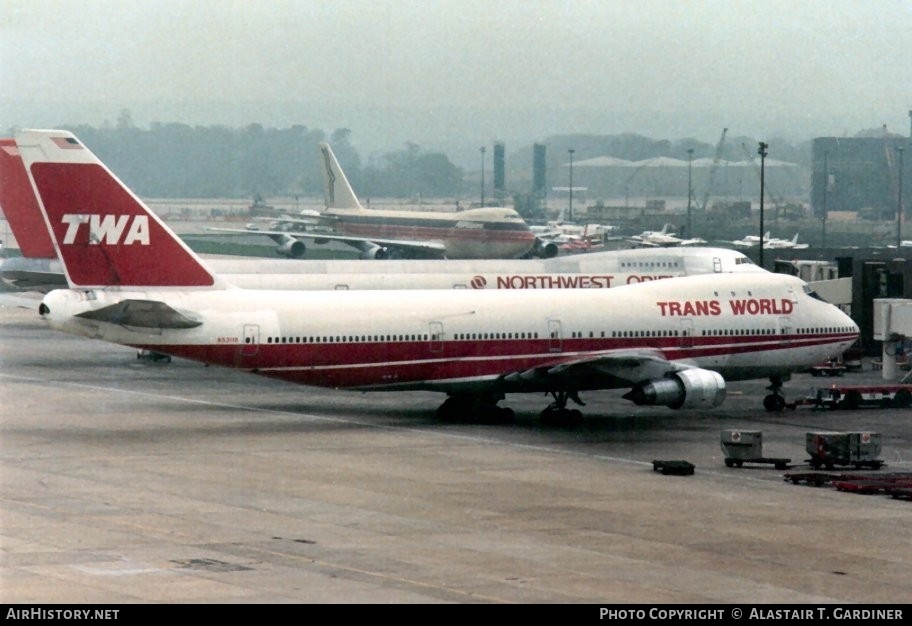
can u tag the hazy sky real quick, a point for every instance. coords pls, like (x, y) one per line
(467, 72)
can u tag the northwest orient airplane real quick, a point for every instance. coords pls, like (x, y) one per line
(492, 233)
(671, 342)
(39, 270)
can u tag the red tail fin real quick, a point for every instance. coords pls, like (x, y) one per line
(105, 236)
(20, 207)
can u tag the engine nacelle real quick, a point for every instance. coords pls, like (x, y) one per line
(545, 249)
(686, 389)
(290, 247)
(375, 252)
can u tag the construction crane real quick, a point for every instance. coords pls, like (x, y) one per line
(713, 168)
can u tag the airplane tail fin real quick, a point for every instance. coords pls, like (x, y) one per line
(337, 192)
(104, 235)
(795, 239)
(20, 206)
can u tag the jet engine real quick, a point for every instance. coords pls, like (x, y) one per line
(290, 247)
(544, 249)
(375, 252)
(686, 389)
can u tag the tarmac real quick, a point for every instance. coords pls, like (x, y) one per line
(126, 481)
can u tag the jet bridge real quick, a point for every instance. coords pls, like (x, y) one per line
(892, 326)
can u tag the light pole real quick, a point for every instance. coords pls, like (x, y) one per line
(899, 202)
(690, 153)
(762, 151)
(570, 208)
(482, 175)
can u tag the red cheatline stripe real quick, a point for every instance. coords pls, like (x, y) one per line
(447, 365)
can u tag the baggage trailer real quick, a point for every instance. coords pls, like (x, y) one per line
(746, 446)
(830, 368)
(829, 449)
(673, 468)
(897, 396)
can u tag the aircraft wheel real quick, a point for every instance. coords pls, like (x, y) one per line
(493, 414)
(452, 409)
(852, 400)
(773, 403)
(561, 416)
(551, 415)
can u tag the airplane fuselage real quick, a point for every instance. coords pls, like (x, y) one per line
(596, 270)
(471, 234)
(449, 341)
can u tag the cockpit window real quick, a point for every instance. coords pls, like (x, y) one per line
(809, 291)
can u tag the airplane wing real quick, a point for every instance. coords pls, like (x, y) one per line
(27, 300)
(619, 367)
(427, 248)
(142, 314)
(640, 241)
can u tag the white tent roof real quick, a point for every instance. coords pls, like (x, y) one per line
(608, 161)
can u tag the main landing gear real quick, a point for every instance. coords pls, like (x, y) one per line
(483, 409)
(558, 413)
(775, 401)
(475, 408)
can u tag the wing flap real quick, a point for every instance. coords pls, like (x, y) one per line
(630, 366)
(142, 314)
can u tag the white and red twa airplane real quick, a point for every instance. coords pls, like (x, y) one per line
(672, 342)
(39, 270)
(483, 233)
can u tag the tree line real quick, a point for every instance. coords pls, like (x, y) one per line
(173, 160)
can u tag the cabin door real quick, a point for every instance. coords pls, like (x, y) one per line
(555, 342)
(435, 336)
(785, 329)
(251, 340)
(687, 331)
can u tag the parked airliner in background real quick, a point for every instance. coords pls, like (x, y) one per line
(671, 342)
(785, 244)
(663, 238)
(772, 243)
(483, 233)
(39, 270)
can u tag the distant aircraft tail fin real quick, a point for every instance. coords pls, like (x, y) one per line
(795, 239)
(104, 235)
(20, 206)
(337, 192)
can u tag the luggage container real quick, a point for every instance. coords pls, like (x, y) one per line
(859, 449)
(746, 446)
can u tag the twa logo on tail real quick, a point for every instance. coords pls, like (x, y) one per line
(104, 234)
(107, 229)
